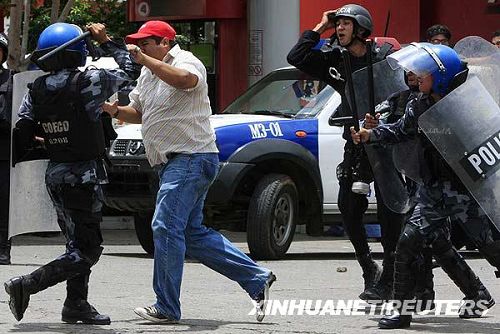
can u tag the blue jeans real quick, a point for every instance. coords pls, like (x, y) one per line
(178, 231)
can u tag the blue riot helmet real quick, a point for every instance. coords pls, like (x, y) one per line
(440, 61)
(56, 35)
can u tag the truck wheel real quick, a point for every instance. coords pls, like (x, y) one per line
(142, 223)
(272, 216)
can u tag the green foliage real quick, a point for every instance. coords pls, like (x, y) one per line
(110, 12)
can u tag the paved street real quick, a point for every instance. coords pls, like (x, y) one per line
(312, 270)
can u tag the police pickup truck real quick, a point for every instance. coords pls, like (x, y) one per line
(278, 158)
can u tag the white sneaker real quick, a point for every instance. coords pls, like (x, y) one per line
(151, 313)
(262, 298)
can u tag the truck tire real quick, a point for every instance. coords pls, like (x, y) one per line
(272, 216)
(142, 223)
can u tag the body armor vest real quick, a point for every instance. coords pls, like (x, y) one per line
(69, 133)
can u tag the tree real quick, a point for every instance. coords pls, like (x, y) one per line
(38, 14)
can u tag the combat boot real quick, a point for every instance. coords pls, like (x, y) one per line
(371, 273)
(474, 306)
(19, 290)
(477, 297)
(382, 290)
(395, 321)
(403, 290)
(81, 311)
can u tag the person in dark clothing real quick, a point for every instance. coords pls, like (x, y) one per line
(352, 25)
(441, 196)
(439, 34)
(66, 105)
(5, 125)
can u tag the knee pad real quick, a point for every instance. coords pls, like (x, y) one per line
(93, 255)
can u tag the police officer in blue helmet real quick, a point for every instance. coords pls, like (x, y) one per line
(63, 107)
(441, 196)
(5, 126)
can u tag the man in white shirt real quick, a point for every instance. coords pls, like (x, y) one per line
(171, 101)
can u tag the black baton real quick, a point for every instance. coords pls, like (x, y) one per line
(371, 89)
(64, 46)
(350, 87)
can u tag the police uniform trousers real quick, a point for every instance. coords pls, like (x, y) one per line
(429, 226)
(78, 208)
(352, 206)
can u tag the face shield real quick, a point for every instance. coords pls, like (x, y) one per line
(418, 58)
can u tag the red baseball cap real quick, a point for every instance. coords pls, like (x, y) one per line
(152, 28)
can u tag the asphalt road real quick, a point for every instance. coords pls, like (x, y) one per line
(313, 270)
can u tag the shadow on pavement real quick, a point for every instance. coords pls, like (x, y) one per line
(43, 327)
(429, 324)
(195, 325)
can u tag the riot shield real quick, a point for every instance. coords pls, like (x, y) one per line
(483, 59)
(465, 128)
(406, 157)
(30, 208)
(386, 82)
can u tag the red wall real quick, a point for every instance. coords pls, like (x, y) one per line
(231, 44)
(403, 23)
(232, 61)
(410, 18)
(463, 17)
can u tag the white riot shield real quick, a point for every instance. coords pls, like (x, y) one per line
(386, 81)
(465, 128)
(483, 60)
(30, 208)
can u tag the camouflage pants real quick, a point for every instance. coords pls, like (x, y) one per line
(78, 208)
(429, 226)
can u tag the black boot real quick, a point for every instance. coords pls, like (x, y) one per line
(371, 273)
(474, 306)
(403, 289)
(395, 321)
(4, 251)
(81, 311)
(424, 283)
(18, 288)
(382, 290)
(467, 281)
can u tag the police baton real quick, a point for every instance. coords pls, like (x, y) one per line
(64, 46)
(371, 88)
(350, 87)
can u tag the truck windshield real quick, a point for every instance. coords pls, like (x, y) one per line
(283, 95)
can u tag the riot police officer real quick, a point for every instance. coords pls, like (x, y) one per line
(352, 24)
(5, 125)
(65, 106)
(441, 195)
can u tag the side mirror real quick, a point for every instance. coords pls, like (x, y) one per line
(340, 121)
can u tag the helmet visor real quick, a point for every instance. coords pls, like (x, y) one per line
(415, 58)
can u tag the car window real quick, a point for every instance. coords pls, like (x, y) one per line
(302, 98)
